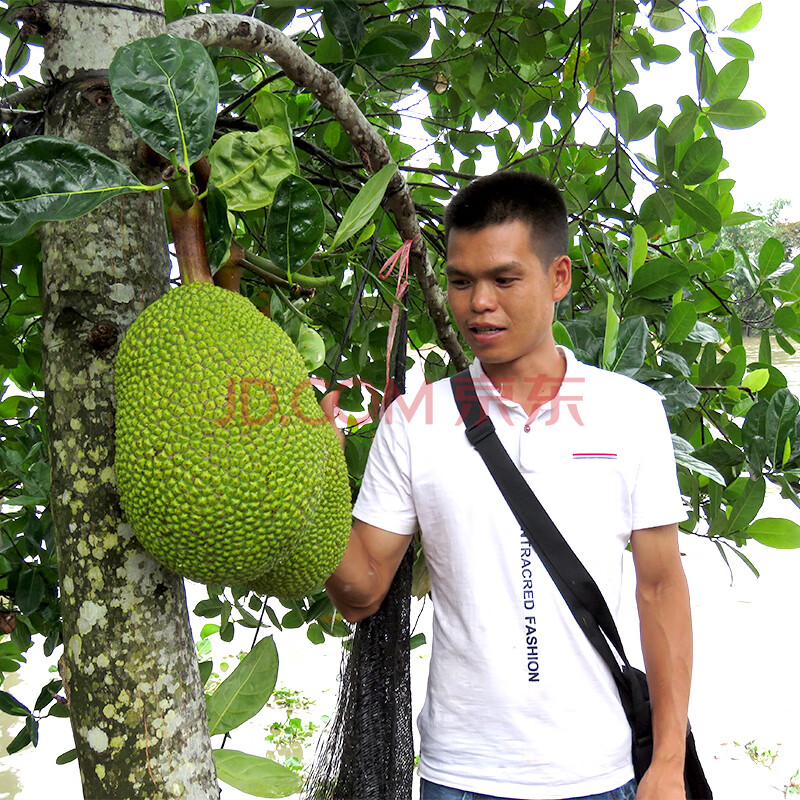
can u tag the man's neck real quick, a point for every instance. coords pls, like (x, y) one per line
(531, 385)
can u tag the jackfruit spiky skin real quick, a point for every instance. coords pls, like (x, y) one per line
(317, 554)
(221, 446)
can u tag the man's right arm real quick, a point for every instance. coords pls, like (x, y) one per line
(365, 573)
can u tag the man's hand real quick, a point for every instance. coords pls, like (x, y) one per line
(662, 781)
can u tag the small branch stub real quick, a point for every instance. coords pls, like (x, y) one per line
(188, 234)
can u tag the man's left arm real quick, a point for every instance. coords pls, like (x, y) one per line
(662, 596)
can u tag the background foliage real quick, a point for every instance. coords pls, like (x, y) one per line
(668, 272)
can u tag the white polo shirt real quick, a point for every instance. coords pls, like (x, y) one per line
(519, 704)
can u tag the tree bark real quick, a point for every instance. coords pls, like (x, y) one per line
(130, 667)
(246, 33)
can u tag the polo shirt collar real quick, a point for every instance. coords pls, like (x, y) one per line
(486, 389)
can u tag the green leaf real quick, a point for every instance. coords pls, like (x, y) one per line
(680, 321)
(701, 161)
(637, 249)
(45, 179)
(735, 114)
(65, 758)
(312, 347)
(315, 634)
(659, 277)
(736, 48)
(731, 81)
(747, 504)
(631, 345)
(245, 691)
(780, 423)
(217, 229)
(771, 256)
(343, 18)
(167, 87)
(666, 19)
(248, 167)
(644, 123)
(610, 335)
(22, 739)
(756, 380)
(364, 204)
(700, 467)
(295, 224)
(678, 394)
(10, 705)
(30, 591)
(707, 15)
(782, 534)
(260, 777)
(748, 20)
(699, 209)
(560, 335)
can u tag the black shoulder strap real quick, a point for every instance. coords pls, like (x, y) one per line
(578, 588)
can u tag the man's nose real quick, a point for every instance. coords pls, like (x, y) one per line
(483, 297)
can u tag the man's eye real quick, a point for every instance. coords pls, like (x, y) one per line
(505, 281)
(457, 283)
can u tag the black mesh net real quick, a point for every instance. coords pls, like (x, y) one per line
(367, 750)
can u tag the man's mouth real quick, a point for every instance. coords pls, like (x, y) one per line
(483, 329)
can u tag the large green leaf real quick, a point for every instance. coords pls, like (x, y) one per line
(631, 345)
(700, 467)
(248, 167)
(731, 80)
(747, 504)
(245, 691)
(699, 209)
(701, 160)
(735, 114)
(611, 331)
(773, 532)
(748, 20)
(255, 775)
(780, 423)
(30, 591)
(217, 228)
(295, 224)
(736, 48)
(45, 179)
(343, 18)
(360, 211)
(771, 256)
(644, 123)
(389, 46)
(168, 89)
(659, 277)
(680, 321)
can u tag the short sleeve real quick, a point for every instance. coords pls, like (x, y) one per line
(656, 494)
(385, 499)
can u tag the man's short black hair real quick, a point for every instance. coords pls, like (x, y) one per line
(509, 196)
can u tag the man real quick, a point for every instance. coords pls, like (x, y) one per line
(519, 705)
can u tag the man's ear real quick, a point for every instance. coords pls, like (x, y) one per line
(561, 275)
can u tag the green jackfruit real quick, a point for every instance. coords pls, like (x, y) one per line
(227, 469)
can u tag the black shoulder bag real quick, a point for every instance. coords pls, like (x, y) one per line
(580, 592)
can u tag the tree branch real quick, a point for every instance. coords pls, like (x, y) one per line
(250, 35)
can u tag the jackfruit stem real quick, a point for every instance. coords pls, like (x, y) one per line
(305, 281)
(188, 234)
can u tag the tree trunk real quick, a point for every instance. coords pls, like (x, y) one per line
(130, 666)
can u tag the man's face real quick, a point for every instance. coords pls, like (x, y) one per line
(503, 296)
